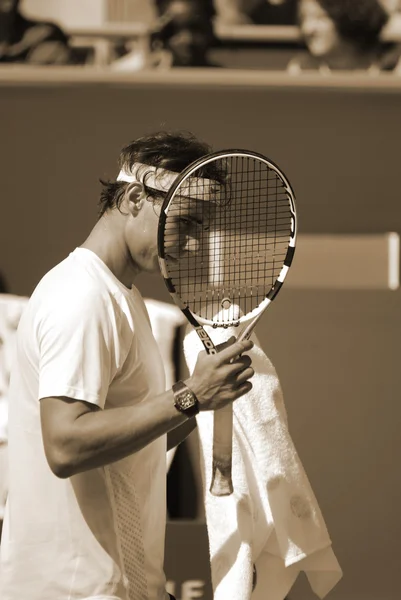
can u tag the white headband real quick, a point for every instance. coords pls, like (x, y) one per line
(162, 180)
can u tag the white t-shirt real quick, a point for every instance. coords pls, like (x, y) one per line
(99, 534)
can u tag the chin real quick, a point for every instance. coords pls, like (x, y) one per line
(319, 50)
(154, 268)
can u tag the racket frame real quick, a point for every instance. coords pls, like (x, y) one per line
(184, 175)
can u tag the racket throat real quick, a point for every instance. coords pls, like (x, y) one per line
(206, 340)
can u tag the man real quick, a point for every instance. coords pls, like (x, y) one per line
(185, 30)
(344, 36)
(89, 414)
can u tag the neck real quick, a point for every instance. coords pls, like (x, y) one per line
(108, 242)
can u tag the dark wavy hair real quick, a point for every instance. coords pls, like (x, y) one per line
(357, 21)
(170, 150)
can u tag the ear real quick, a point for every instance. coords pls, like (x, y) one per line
(135, 194)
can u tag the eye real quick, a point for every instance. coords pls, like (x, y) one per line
(191, 222)
(185, 223)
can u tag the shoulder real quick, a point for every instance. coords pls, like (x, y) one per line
(70, 278)
(72, 293)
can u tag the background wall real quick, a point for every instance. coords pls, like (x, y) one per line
(67, 13)
(89, 13)
(337, 353)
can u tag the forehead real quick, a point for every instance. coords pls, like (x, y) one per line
(194, 207)
(311, 8)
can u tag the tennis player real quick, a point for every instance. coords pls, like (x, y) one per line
(89, 417)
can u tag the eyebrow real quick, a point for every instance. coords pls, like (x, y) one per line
(194, 219)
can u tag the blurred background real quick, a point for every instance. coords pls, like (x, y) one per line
(315, 85)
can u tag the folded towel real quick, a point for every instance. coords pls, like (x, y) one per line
(166, 319)
(272, 520)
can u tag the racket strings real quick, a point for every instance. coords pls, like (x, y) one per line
(241, 236)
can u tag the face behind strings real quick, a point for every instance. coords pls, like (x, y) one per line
(225, 244)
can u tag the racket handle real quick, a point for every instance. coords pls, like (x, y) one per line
(222, 484)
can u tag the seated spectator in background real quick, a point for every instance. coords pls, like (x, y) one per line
(186, 31)
(344, 35)
(26, 41)
(180, 37)
(256, 12)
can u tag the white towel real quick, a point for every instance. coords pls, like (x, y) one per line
(272, 519)
(165, 320)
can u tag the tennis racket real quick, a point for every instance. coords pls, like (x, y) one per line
(226, 240)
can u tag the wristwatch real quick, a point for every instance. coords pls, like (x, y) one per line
(185, 400)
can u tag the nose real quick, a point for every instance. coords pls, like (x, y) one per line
(191, 244)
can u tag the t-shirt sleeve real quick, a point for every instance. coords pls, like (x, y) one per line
(79, 352)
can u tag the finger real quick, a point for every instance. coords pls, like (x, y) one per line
(235, 350)
(244, 375)
(243, 389)
(239, 364)
(243, 361)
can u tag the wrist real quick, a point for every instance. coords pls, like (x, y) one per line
(185, 400)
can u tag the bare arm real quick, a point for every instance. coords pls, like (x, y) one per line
(179, 434)
(78, 436)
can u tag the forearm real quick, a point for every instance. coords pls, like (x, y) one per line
(105, 436)
(180, 433)
(78, 437)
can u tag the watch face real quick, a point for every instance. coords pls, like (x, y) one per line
(187, 400)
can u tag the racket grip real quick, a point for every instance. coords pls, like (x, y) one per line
(222, 484)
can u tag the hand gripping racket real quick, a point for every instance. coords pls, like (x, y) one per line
(226, 240)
